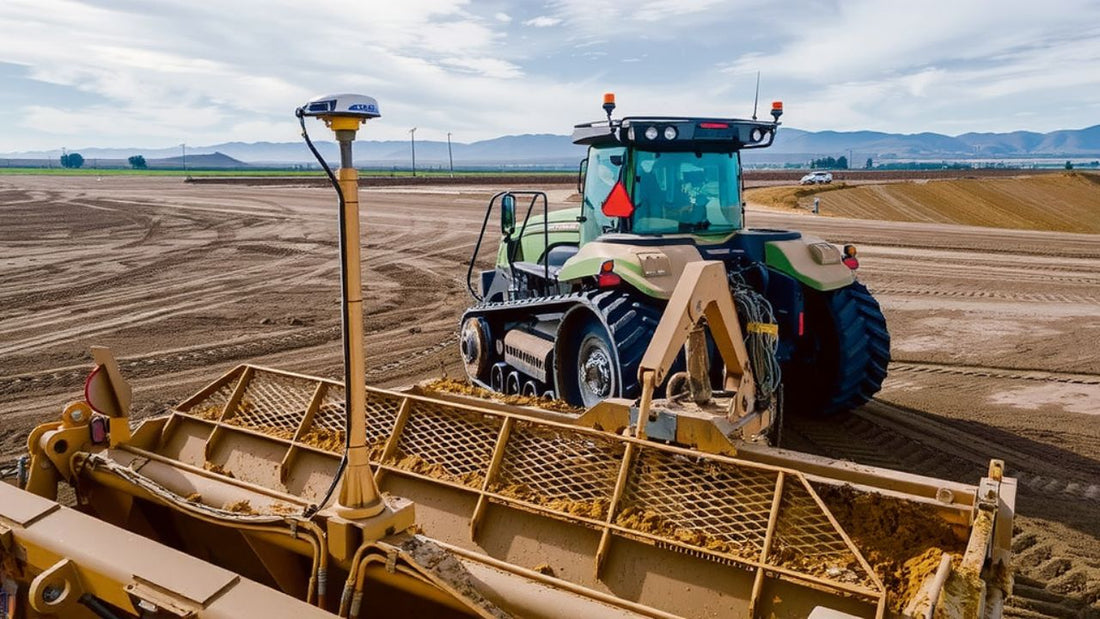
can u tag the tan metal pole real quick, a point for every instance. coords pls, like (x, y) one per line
(359, 497)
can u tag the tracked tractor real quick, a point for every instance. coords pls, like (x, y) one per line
(576, 293)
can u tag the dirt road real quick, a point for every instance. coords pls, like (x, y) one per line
(996, 333)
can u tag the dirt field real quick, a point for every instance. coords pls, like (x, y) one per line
(996, 332)
(1062, 202)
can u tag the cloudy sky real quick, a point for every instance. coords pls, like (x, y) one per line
(154, 73)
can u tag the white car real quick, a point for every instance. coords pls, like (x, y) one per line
(814, 178)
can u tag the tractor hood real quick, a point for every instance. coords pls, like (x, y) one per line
(653, 270)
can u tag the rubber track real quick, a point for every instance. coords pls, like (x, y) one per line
(629, 319)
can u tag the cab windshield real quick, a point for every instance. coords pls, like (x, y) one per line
(677, 192)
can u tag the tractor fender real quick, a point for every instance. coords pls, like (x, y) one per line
(812, 261)
(652, 270)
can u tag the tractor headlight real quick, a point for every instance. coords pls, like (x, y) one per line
(670, 133)
(630, 134)
(757, 135)
(651, 133)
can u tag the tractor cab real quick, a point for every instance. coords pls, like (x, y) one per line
(666, 175)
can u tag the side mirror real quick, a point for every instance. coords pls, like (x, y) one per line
(508, 214)
(582, 171)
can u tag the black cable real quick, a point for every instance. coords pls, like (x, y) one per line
(312, 509)
(98, 607)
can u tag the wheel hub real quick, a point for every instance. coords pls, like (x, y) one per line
(596, 375)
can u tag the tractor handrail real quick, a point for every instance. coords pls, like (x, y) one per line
(511, 254)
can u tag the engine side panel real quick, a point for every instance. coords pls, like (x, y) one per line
(811, 261)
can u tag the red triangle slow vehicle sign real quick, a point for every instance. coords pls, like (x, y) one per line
(618, 203)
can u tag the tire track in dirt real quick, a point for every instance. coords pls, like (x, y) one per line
(977, 371)
(983, 295)
(993, 274)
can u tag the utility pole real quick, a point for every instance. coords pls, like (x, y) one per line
(412, 140)
(450, 157)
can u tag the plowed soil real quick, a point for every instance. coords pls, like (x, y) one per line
(1064, 202)
(996, 331)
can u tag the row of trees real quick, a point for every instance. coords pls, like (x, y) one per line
(837, 164)
(76, 160)
(841, 163)
(828, 163)
(72, 160)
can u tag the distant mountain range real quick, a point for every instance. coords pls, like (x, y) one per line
(557, 150)
(977, 145)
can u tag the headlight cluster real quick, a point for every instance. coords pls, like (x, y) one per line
(652, 132)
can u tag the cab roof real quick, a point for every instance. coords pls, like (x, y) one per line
(677, 133)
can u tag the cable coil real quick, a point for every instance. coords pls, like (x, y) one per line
(762, 342)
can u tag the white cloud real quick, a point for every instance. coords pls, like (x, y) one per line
(489, 67)
(179, 70)
(542, 21)
(659, 10)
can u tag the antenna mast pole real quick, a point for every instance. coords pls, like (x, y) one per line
(756, 97)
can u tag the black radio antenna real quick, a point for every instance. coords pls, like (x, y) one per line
(756, 98)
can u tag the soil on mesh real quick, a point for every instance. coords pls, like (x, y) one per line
(648, 521)
(209, 413)
(416, 464)
(595, 509)
(463, 387)
(903, 542)
(323, 438)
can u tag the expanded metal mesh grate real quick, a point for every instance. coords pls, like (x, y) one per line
(806, 541)
(449, 443)
(273, 403)
(214, 404)
(381, 416)
(709, 506)
(714, 505)
(567, 472)
(330, 415)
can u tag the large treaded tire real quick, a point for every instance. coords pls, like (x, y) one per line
(628, 321)
(848, 356)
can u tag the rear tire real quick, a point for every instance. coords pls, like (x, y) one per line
(590, 372)
(843, 361)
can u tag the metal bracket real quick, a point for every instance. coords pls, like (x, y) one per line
(661, 426)
(57, 590)
(152, 599)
